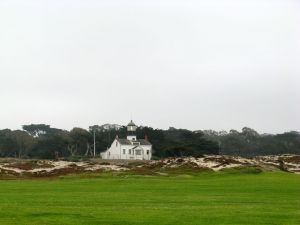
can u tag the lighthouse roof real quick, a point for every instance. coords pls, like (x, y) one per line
(138, 141)
(131, 123)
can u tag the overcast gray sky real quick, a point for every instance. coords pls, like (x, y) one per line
(216, 64)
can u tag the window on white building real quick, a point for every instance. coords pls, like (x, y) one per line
(148, 152)
(124, 151)
(138, 152)
(129, 151)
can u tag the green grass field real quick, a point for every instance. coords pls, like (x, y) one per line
(207, 198)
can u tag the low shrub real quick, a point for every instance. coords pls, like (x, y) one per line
(243, 169)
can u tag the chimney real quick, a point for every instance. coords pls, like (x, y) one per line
(117, 137)
(146, 137)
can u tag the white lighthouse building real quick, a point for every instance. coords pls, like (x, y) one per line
(130, 148)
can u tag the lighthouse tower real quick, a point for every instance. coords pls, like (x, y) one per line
(131, 131)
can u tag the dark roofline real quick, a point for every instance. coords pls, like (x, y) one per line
(124, 141)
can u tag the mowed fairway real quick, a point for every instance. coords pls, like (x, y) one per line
(208, 198)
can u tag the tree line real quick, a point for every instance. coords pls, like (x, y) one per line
(249, 142)
(43, 141)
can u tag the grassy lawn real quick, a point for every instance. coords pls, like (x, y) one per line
(207, 198)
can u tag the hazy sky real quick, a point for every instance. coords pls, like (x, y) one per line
(211, 64)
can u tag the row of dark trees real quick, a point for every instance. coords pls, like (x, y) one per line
(248, 142)
(43, 141)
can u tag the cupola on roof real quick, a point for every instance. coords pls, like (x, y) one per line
(131, 123)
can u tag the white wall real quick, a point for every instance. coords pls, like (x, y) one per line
(130, 152)
(131, 137)
(116, 151)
